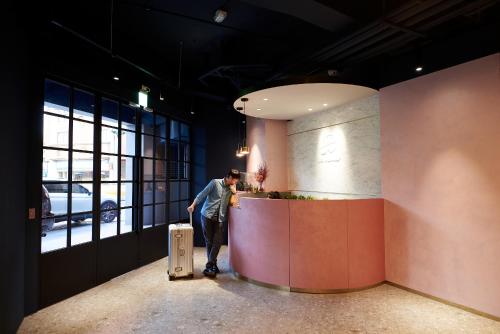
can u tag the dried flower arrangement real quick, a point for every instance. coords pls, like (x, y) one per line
(261, 175)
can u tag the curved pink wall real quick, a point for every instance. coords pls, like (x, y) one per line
(440, 140)
(259, 240)
(267, 140)
(328, 244)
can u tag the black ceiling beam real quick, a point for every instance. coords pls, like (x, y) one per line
(404, 29)
(400, 27)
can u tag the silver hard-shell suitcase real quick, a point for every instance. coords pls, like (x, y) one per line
(180, 249)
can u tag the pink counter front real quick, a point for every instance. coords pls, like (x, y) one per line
(308, 245)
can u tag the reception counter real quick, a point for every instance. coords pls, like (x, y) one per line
(308, 245)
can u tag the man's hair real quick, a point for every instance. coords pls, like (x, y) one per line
(234, 173)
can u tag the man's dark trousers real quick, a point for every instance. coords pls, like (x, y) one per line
(212, 232)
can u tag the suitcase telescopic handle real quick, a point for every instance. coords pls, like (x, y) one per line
(191, 218)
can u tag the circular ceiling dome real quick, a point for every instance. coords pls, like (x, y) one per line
(292, 101)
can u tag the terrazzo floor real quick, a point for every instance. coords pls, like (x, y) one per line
(144, 301)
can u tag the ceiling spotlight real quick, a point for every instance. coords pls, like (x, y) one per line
(325, 104)
(116, 78)
(220, 15)
(259, 109)
(310, 109)
(266, 99)
(419, 69)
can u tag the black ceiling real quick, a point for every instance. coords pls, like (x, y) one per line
(263, 42)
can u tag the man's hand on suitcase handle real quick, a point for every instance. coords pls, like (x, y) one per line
(190, 208)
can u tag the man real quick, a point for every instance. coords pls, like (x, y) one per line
(213, 213)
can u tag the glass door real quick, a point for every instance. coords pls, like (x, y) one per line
(113, 176)
(153, 186)
(67, 167)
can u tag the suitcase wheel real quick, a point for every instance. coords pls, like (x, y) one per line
(171, 278)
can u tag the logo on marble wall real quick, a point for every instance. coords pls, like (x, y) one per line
(329, 149)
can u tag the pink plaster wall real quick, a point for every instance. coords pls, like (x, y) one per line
(440, 143)
(267, 140)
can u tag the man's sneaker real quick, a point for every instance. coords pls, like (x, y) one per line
(210, 272)
(216, 269)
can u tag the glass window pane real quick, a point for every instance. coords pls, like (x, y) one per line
(109, 195)
(83, 136)
(184, 132)
(174, 212)
(83, 166)
(81, 229)
(81, 198)
(184, 152)
(160, 214)
(185, 190)
(126, 218)
(184, 170)
(126, 194)
(128, 143)
(127, 172)
(173, 153)
(160, 192)
(128, 117)
(147, 146)
(147, 120)
(58, 197)
(109, 140)
(161, 148)
(148, 170)
(173, 170)
(109, 112)
(109, 210)
(55, 131)
(174, 191)
(55, 165)
(109, 229)
(55, 234)
(183, 210)
(56, 98)
(161, 126)
(147, 193)
(109, 207)
(147, 216)
(160, 170)
(109, 168)
(83, 105)
(174, 130)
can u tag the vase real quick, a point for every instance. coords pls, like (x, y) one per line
(261, 188)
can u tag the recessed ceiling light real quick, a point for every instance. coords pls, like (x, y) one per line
(259, 109)
(325, 104)
(266, 99)
(310, 109)
(419, 68)
(116, 78)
